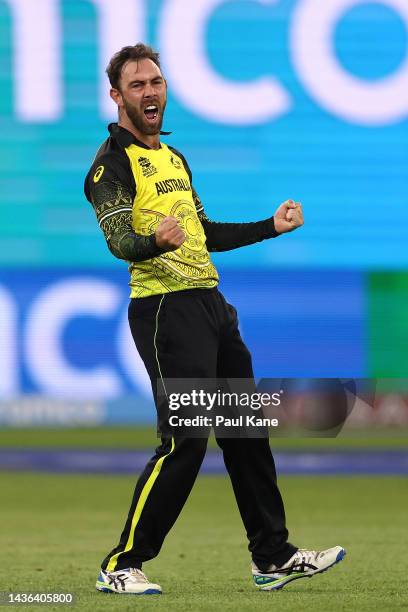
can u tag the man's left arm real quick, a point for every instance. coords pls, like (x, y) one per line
(228, 236)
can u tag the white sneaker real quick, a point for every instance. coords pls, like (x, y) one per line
(126, 581)
(303, 564)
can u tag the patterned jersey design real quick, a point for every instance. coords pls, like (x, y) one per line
(167, 192)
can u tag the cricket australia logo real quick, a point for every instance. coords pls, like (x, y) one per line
(176, 162)
(147, 167)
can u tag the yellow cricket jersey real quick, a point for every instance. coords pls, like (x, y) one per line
(131, 184)
(163, 189)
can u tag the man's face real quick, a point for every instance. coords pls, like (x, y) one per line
(142, 95)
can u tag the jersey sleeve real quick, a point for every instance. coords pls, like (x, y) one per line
(110, 187)
(229, 236)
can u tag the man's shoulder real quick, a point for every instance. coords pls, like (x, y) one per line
(111, 153)
(176, 151)
(110, 163)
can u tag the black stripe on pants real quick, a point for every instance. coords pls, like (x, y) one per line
(194, 334)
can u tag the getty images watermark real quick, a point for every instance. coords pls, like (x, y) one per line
(219, 401)
(248, 408)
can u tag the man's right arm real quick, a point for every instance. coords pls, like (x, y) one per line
(111, 195)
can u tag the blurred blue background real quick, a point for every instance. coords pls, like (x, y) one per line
(265, 108)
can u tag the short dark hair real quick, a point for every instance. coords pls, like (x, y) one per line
(135, 52)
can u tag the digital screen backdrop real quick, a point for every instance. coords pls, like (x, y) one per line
(268, 100)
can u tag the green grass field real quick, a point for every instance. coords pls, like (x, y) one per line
(145, 437)
(57, 528)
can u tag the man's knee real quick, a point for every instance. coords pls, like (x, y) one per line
(194, 447)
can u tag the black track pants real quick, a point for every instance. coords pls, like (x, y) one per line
(192, 334)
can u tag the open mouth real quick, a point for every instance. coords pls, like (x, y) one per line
(151, 112)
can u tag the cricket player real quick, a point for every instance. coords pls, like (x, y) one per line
(142, 192)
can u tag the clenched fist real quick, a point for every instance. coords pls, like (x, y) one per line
(288, 217)
(169, 235)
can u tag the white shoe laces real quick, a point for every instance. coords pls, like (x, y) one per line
(305, 555)
(138, 575)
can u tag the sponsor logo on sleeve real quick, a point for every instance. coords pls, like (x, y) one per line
(98, 173)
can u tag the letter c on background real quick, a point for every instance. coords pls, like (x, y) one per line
(195, 82)
(49, 315)
(341, 93)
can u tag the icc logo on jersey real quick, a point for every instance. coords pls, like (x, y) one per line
(147, 167)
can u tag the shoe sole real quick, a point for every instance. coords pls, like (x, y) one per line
(105, 589)
(285, 581)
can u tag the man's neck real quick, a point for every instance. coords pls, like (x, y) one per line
(151, 140)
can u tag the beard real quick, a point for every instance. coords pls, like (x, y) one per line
(140, 122)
